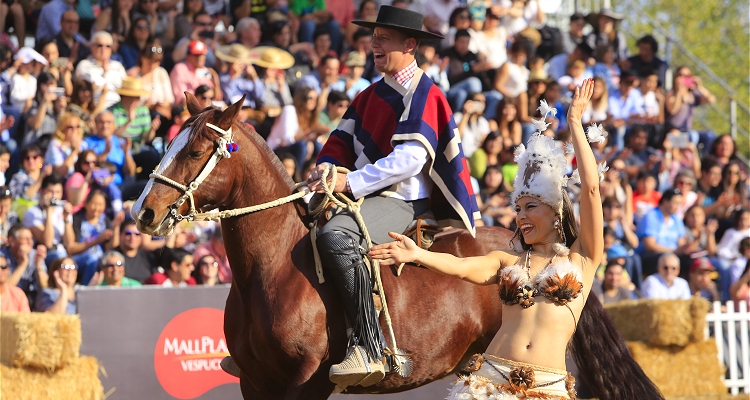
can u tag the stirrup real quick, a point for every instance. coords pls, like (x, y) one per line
(356, 369)
(230, 367)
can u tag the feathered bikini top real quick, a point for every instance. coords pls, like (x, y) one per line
(560, 282)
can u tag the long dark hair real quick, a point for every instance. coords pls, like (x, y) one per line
(78, 86)
(604, 361)
(44, 78)
(568, 223)
(130, 39)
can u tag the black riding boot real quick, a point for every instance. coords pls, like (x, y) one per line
(343, 261)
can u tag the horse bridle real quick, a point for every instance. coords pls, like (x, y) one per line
(223, 148)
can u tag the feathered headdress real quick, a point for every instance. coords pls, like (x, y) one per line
(542, 166)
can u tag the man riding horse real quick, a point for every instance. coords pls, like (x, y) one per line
(400, 142)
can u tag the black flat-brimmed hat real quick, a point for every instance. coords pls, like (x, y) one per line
(399, 19)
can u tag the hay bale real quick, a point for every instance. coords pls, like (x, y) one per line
(660, 322)
(682, 371)
(79, 379)
(40, 340)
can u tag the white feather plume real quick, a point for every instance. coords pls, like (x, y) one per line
(569, 149)
(519, 152)
(540, 125)
(602, 168)
(545, 109)
(575, 177)
(596, 133)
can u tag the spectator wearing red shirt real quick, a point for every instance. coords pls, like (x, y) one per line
(12, 298)
(178, 267)
(645, 195)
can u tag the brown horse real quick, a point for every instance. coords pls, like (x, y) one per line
(284, 329)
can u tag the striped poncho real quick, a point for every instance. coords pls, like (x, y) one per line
(386, 114)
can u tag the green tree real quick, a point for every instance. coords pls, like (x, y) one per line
(718, 33)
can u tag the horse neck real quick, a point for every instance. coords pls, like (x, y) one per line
(258, 240)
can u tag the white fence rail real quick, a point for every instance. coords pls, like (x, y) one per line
(729, 328)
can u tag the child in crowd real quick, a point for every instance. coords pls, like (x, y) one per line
(576, 75)
(645, 195)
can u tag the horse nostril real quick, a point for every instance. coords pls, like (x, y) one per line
(147, 216)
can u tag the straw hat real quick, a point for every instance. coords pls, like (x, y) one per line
(234, 53)
(355, 60)
(132, 87)
(271, 57)
(593, 18)
(538, 75)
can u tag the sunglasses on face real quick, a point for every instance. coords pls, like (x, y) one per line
(210, 264)
(69, 267)
(31, 157)
(142, 27)
(132, 233)
(90, 162)
(5, 193)
(112, 265)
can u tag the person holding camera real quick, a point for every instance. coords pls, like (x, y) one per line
(47, 105)
(203, 31)
(687, 94)
(46, 221)
(473, 127)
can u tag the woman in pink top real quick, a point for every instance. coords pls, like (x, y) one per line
(78, 186)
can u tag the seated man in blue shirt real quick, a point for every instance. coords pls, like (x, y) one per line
(111, 148)
(240, 77)
(660, 231)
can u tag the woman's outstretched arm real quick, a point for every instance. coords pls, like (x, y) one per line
(479, 270)
(590, 241)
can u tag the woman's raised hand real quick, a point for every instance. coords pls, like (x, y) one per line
(403, 250)
(581, 99)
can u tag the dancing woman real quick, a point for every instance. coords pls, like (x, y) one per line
(544, 282)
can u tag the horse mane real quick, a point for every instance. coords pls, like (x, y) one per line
(203, 132)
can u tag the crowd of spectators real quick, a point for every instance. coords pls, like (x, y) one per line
(88, 109)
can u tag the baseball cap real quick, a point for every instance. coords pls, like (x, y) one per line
(196, 47)
(701, 264)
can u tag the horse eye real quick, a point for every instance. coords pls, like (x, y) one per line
(196, 154)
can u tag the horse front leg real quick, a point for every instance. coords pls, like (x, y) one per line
(317, 387)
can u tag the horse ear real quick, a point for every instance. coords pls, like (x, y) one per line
(227, 116)
(193, 106)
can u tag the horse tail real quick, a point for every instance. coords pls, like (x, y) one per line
(604, 360)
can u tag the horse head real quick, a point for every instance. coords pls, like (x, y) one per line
(180, 186)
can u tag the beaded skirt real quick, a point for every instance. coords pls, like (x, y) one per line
(495, 378)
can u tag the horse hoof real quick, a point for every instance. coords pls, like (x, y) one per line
(230, 367)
